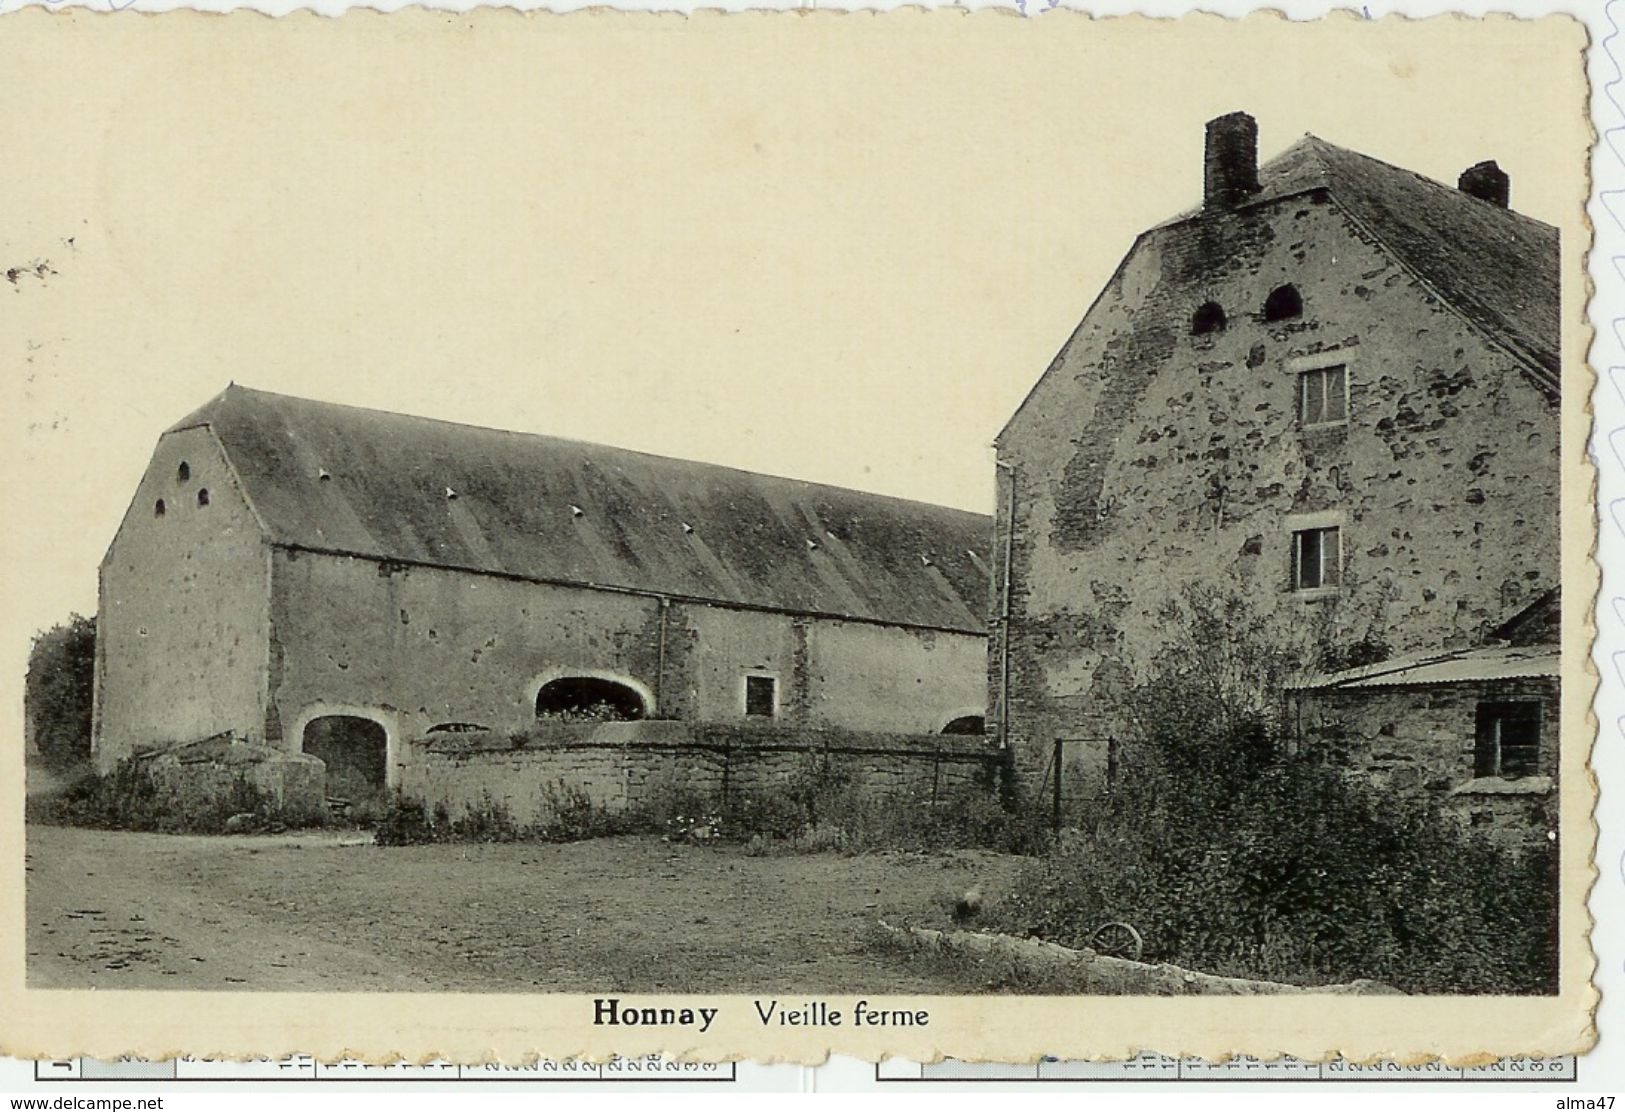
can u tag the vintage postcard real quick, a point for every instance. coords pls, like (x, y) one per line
(756, 536)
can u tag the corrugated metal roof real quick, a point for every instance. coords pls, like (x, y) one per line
(1497, 267)
(1500, 662)
(393, 487)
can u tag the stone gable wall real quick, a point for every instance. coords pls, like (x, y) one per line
(183, 612)
(1148, 458)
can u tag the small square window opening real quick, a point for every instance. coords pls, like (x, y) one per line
(1508, 740)
(1323, 396)
(1317, 558)
(759, 696)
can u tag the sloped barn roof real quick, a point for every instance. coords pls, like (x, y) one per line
(1496, 267)
(387, 486)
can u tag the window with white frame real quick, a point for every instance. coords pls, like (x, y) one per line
(761, 696)
(1323, 396)
(1317, 558)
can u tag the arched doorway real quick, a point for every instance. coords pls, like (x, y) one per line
(966, 725)
(356, 752)
(589, 698)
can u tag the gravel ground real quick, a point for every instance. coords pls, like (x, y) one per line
(332, 912)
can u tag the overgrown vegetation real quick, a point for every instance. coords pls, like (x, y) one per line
(819, 807)
(128, 798)
(600, 710)
(1235, 857)
(574, 818)
(58, 692)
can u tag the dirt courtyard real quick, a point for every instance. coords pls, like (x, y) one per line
(325, 911)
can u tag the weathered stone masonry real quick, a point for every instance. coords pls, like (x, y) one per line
(1150, 456)
(629, 764)
(1420, 739)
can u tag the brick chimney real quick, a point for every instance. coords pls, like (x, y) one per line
(1230, 161)
(1487, 182)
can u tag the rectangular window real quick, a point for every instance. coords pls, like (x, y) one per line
(759, 698)
(1323, 396)
(1508, 740)
(1317, 558)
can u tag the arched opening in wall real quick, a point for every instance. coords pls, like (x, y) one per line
(588, 699)
(1283, 303)
(183, 472)
(356, 752)
(158, 508)
(1209, 318)
(203, 497)
(972, 725)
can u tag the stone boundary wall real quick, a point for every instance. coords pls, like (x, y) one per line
(196, 778)
(621, 765)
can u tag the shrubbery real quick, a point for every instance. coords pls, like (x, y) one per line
(1232, 857)
(574, 817)
(1303, 877)
(819, 807)
(128, 799)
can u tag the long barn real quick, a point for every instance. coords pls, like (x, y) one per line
(299, 575)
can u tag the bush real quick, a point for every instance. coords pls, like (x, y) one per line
(58, 692)
(1231, 857)
(819, 807)
(127, 798)
(486, 821)
(1307, 878)
(823, 805)
(407, 822)
(573, 817)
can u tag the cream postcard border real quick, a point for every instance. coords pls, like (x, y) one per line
(512, 1028)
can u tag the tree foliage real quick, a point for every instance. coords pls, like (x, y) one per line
(59, 691)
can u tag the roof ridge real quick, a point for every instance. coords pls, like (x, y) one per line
(201, 416)
(1323, 146)
(350, 481)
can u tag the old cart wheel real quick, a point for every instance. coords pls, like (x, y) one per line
(1117, 940)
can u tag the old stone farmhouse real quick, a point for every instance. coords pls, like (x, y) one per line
(356, 584)
(1333, 390)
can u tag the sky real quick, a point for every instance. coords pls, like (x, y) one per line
(841, 248)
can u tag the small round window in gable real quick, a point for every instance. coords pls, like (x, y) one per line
(1283, 303)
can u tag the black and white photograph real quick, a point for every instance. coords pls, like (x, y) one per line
(872, 521)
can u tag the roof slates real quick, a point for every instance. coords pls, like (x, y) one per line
(546, 508)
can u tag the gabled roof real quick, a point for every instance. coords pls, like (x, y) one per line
(1496, 267)
(391, 487)
(1500, 270)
